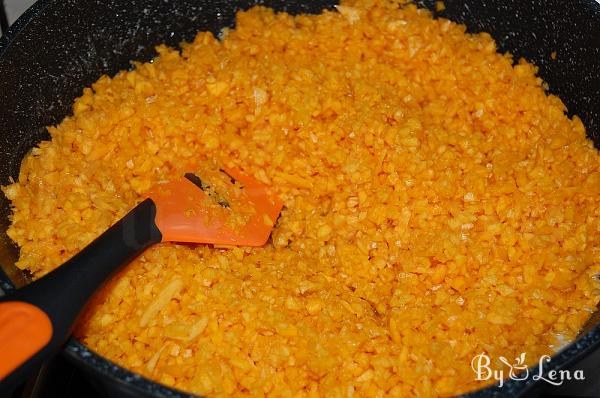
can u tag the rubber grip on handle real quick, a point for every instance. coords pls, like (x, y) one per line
(24, 330)
(62, 294)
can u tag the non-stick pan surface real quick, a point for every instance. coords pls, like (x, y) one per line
(60, 46)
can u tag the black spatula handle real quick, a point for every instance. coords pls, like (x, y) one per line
(62, 294)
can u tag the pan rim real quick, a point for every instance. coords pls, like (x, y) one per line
(21, 23)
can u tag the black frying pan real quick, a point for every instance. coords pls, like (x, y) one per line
(60, 46)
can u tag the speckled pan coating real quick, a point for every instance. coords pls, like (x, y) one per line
(60, 46)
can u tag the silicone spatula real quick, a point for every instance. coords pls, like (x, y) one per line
(229, 208)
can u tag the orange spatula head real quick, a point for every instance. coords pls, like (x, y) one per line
(210, 205)
(220, 206)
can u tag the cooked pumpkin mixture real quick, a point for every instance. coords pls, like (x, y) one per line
(438, 204)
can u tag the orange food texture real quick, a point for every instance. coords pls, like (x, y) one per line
(438, 204)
